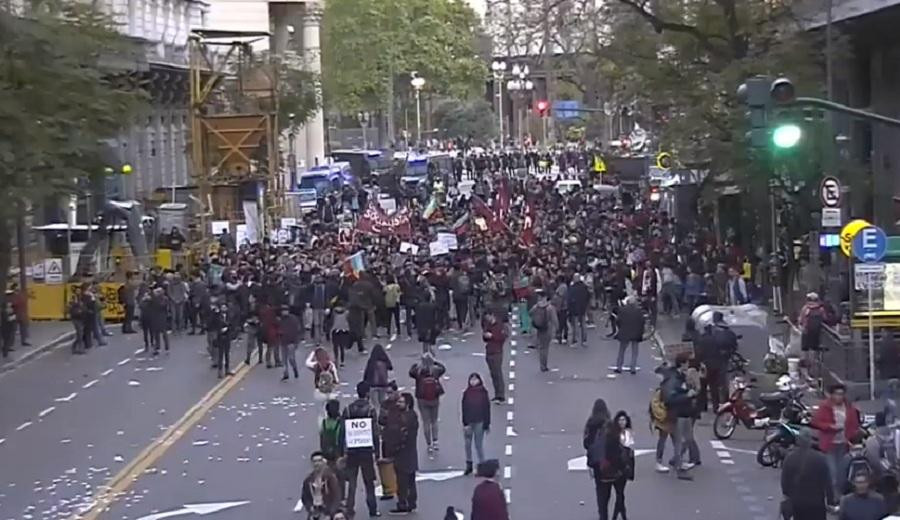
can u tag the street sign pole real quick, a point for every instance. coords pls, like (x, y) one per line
(870, 246)
(870, 278)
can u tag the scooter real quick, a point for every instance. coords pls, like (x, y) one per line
(739, 410)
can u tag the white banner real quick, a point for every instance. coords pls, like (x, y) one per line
(251, 217)
(358, 433)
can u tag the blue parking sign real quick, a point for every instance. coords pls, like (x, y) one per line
(870, 244)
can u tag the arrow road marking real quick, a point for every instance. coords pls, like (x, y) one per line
(580, 463)
(434, 476)
(196, 509)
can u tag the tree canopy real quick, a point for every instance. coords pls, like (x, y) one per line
(473, 118)
(369, 45)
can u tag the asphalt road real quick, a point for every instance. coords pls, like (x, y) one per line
(246, 457)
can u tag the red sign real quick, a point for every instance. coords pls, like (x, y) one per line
(375, 221)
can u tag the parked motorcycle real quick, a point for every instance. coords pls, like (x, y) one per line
(782, 438)
(786, 401)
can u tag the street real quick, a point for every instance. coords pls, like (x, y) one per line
(76, 422)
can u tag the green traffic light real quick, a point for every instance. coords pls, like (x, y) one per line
(786, 136)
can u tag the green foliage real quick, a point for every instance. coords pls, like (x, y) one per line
(298, 94)
(467, 118)
(371, 46)
(57, 100)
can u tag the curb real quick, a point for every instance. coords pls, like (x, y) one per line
(37, 351)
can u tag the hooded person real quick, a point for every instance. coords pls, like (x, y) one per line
(476, 418)
(378, 374)
(427, 375)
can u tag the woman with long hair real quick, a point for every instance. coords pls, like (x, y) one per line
(621, 425)
(325, 377)
(604, 454)
(378, 374)
(476, 418)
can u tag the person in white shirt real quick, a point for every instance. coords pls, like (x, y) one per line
(622, 423)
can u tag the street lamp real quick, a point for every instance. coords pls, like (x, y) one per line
(521, 86)
(499, 70)
(417, 83)
(364, 118)
(292, 153)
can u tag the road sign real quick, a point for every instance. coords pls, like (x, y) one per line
(830, 192)
(870, 244)
(868, 275)
(848, 232)
(38, 271)
(831, 217)
(53, 270)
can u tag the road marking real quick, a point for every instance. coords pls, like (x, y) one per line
(67, 398)
(510, 432)
(511, 400)
(509, 450)
(128, 475)
(90, 384)
(24, 425)
(507, 472)
(507, 495)
(512, 352)
(512, 343)
(512, 374)
(512, 363)
(509, 416)
(107, 372)
(726, 461)
(124, 361)
(46, 411)
(723, 454)
(512, 386)
(196, 509)
(720, 446)
(717, 445)
(2, 440)
(138, 351)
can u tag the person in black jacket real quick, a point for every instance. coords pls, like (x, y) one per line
(605, 456)
(426, 320)
(476, 418)
(578, 298)
(361, 459)
(321, 490)
(679, 400)
(406, 457)
(631, 332)
(805, 481)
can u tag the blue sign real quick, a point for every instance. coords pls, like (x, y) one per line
(870, 244)
(566, 109)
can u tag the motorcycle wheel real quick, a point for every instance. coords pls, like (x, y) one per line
(769, 454)
(724, 424)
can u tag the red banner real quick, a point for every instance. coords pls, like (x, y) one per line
(375, 221)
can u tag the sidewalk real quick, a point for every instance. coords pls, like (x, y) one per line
(43, 336)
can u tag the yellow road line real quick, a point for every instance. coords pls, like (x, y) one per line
(128, 475)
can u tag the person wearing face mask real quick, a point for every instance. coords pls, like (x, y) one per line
(321, 492)
(476, 418)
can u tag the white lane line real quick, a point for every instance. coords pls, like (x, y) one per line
(508, 496)
(24, 425)
(726, 461)
(67, 398)
(2, 440)
(46, 412)
(512, 386)
(723, 454)
(717, 445)
(507, 472)
(509, 450)
(513, 343)
(90, 384)
(511, 400)
(512, 352)
(138, 351)
(510, 432)
(512, 374)
(107, 372)
(124, 361)
(509, 416)
(512, 363)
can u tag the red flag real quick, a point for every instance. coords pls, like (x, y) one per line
(461, 226)
(482, 210)
(527, 235)
(375, 221)
(502, 202)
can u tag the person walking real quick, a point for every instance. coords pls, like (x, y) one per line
(605, 457)
(805, 481)
(325, 376)
(544, 318)
(631, 332)
(321, 490)
(76, 314)
(661, 421)
(128, 298)
(622, 426)
(341, 339)
(378, 374)
(427, 375)
(426, 320)
(679, 399)
(290, 329)
(837, 424)
(862, 503)
(494, 336)
(392, 305)
(488, 501)
(476, 418)
(461, 285)
(406, 457)
(360, 459)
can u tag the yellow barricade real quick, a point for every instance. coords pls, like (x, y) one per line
(47, 302)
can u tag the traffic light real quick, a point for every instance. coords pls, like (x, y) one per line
(542, 106)
(769, 120)
(785, 133)
(756, 94)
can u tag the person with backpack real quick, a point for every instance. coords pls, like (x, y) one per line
(325, 374)
(378, 374)
(679, 400)
(461, 285)
(545, 320)
(360, 457)
(605, 457)
(661, 421)
(427, 375)
(476, 418)
(811, 319)
(331, 433)
(631, 332)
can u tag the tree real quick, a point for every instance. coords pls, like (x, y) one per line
(472, 118)
(61, 99)
(370, 47)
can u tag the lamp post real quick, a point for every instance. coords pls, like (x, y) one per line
(499, 70)
(292, 152)
(364, 118)
(521, 86)
(417, 83)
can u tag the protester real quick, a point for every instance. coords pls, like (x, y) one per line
(862, 503)
(837, 424)
(544, 318)
(406, 457)
(679, 400)
(805, 482)
(488, 501)
(320, 493)
(476, 418)
(622, 426)
(378, 374)
(494, 335)
(605, 456)
(361, 460)
(630, 319)
(427, 376)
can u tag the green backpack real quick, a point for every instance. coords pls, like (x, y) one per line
(331, 437)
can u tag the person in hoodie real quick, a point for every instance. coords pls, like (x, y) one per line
(378, 374)
(178, 297)
(427, 375)
(340, 333)
(361, 459)
(406, 456)
(290, 329)
(578, 297)
(426, 319)
(488, 501)
(494, 335)
(476, 418)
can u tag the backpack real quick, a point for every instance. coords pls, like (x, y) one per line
(380, 374)
(430, 388)
(539, 318)
(811, 337)
(858, 465)
(325, 382)
(659, 414)
(331, 438)
(596, 452)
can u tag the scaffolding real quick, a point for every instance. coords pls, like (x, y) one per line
(234, 128)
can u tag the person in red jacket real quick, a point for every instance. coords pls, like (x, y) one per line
(488, 501)
(838, 424)
(494, 335)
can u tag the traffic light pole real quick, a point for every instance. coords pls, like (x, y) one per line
(837, 107)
